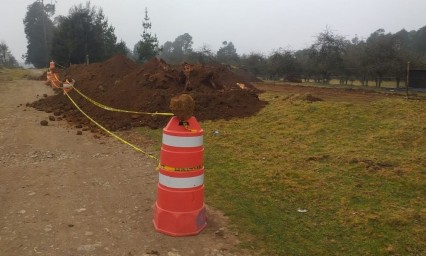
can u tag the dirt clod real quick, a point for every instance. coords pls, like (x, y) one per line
(182, 106)
(43, 123)
(79, 133)
(52, 118)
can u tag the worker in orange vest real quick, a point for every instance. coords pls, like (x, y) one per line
(52, 66)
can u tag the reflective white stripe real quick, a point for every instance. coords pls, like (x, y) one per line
(185, 142)
(173, 182)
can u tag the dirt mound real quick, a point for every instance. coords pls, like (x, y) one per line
(121, 83)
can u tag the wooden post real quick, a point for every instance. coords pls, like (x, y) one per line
(407, 83)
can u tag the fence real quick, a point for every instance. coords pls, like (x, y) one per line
(417, 78)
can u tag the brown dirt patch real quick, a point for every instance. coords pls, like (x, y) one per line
(312, 93)
(124, 84)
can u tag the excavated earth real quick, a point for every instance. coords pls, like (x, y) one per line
(219, 92)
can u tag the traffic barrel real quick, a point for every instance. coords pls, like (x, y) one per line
(68, 85)
(179, 209)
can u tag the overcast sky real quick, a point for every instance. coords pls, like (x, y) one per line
(252, 25)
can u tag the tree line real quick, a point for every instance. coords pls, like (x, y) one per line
(381, 56)
(85, 33)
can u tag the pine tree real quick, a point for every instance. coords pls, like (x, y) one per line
(148, 46)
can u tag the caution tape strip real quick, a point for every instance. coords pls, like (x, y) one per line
(53, 82)
(100, 105)
(160, 166)
(109, 132)
(164, 167)
(180, 169)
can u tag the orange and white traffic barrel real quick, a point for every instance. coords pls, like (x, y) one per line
(68, 85)
(179, 209)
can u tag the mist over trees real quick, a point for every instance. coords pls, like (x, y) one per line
(85, 31)
(382, 56)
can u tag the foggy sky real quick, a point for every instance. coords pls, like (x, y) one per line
(252, 26)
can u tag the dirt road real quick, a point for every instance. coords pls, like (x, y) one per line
(68, 194)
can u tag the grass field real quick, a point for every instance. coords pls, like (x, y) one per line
(7, 74)
(323, 178)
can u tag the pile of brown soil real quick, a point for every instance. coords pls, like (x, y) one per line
(121, 83)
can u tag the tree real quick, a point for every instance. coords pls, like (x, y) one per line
(85, 32)
(121, 48)
(307, 68)
(419, 41)
(353, 67)
(227, 53)
(326, 54)
(282, 63)
(147, 47)
(179, 50)
(182, 46)
(255, 63)
(383, 56)
(6, 58)
(38, 30)
(204, 55)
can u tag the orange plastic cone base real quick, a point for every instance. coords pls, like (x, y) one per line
(179, 223)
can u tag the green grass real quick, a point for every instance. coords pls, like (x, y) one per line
(10, 74)
(358, 169)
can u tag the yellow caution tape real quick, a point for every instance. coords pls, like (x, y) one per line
(100, 105)
(186, 126)
(120, 110)
(107, 131)
(53, 82)
(182, 169)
